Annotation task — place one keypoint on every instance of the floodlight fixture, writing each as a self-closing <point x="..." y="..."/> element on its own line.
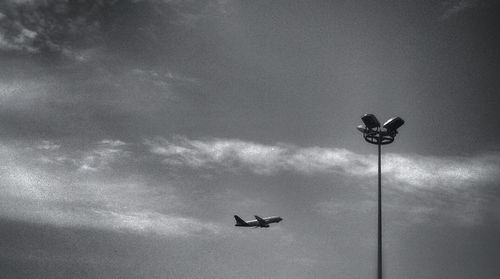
<point x="361" y="128"/>
<point x="370" y="121"/>
<point x="393" y="124"/>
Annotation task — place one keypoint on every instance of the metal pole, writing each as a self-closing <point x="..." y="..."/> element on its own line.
<point x="379" y="207"/>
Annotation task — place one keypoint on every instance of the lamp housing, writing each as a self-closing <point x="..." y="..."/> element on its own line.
<point x="393" y="124"/>
<point x="361" y="128"/>
<point x="370" y="121"/>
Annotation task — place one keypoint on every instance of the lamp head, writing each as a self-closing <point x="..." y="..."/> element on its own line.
<point x="393" y="124"/>
<point x="370" y="121"/>
<point x="361" y="128"/>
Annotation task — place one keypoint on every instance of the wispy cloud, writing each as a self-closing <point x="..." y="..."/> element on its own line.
<point x="45" y="184"/>
<point x="456" y="7"/>
<point x="162" y="80"/>
<point x="48" y="26"/>
<point x="106" y="152"/>
<point x="91" y="95"/>
<point x="21" y="94"/>
<point x="48" y="145"/>
<point x="465" y="208"/>
<point x="409" y="171"/>
<point x="70" y="27"/>
<point x="95" y="158"/>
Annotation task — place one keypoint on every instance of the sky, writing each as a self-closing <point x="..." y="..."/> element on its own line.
<point x="132" y="131"/>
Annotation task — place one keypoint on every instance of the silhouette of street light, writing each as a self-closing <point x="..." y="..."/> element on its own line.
<point x="374" y="134"/>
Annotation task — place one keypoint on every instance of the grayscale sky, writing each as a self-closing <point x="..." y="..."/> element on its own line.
<point x="132" y="131"/>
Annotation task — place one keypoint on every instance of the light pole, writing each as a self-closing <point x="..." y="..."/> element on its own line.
<point x="374" y="134"/>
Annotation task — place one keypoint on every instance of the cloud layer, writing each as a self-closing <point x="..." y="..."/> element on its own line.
<point x="421" y="188"/>
<point x="49" y="184"/>
<point x="405" y="170"/>
<point x="107" y="186"/>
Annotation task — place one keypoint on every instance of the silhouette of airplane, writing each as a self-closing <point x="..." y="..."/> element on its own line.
<point x="258" y="222"/>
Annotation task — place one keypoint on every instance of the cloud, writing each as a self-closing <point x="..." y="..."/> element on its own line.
<point x="49" y="26"/>
<point x="454" y="8"/>
<point x="96" y="158"/>
<point x="48" y="145"/>
<point x="69" y="27"/>
<point x="106" y="152"/>
<point x="61" y="101"/>
<point x="218" y="153"/>
<point x="150" y="221"/>
<point x="44" y="183"/>
<point x="407" y="171"/>
<point x="440" y="207"/>
<point x="135" y="221"/>
<point x="160" y="81"/>
<point x="19" y="94"/>
<point x="22" y="41"/>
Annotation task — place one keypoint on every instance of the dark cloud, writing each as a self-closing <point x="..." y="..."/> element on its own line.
<point x="52" y="26"/>
<point x="66" y="26"/>
<point x="116" y="67"/>
<point x="453" y="8"/>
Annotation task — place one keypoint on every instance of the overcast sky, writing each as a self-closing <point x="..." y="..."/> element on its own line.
<point x="132" y="131"/>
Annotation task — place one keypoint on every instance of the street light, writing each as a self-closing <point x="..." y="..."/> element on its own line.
<point x="374" y="134"/>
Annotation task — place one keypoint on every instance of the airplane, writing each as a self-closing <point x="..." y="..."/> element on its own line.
<point x="258" y="222"/>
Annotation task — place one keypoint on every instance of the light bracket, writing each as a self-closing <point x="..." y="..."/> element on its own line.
<point x="374" y="134"/>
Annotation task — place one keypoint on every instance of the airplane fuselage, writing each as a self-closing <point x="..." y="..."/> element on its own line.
<point x="256" y="223"/>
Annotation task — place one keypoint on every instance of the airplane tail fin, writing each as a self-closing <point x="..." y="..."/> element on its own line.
<point x="239" y="221"/>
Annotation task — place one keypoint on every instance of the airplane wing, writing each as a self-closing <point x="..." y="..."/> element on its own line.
<point x="261" y="221"/>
